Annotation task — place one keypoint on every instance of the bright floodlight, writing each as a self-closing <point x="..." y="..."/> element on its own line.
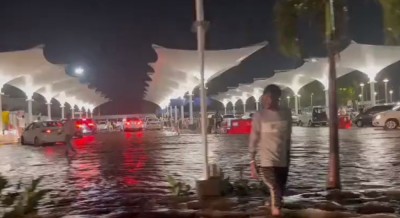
<point x="391" y="91"/>
<point x="79" y="70"/>
<point x="288" y="97"/>
<point x="385" y="80"/>
<point x="362" y="84"/>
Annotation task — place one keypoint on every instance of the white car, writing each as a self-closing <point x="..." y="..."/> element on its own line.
<point x="153" y="123"/>
<point x="388" y="119"/>
<point x="46" y="132"/>
<point x="102" y="125"/>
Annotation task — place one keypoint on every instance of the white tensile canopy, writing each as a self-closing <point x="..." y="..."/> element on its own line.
<point x="370" y="60"/>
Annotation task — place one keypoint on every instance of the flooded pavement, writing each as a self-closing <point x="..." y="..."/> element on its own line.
<point x="116" y="172"/>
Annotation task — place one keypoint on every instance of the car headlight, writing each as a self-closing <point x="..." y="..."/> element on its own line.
<point x="378" y="117"/>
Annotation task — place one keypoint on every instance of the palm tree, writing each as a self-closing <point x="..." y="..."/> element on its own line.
<point x="331" y="15"/>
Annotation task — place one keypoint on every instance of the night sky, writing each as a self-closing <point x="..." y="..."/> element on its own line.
<point x="112" y="39"/>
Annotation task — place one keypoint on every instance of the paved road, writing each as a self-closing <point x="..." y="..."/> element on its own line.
<point x="124" y="171"/>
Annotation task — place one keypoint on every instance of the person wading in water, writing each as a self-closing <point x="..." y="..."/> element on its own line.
<point x="270" y="138"/>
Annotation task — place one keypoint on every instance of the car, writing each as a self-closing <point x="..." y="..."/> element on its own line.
<point x="102" y="125"/>
<point x="133" y="124"/>
<point x="295" y="119"/>
<point x="389" y="119"/>
<point x="90" y="124"/>
<point x="227" y="120"/>
<point x="153" y="123"/>
<point x="312" y="116"/>
<point x="365" y="117"/>
<point x="44" y="132"/>
<point x="248" y="116"/>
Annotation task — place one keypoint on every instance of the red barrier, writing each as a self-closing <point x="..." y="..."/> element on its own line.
<point x="240" y="127"/>
<point x="345" y="122"/>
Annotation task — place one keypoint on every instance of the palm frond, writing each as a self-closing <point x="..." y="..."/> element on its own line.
<point x="391" y="21"/>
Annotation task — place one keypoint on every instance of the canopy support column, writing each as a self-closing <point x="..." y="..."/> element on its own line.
<point x="296" y="104"/>
<point x="373" y="96"/>
<point x="244" y="108"/>
<point x="225" y="109"/>
<point x="191" y="108"/>
<point x="257" y="105"/>
<point x="62" y="112"/>
<point x="30" y="113"/>
<point x="176" y="113"/>
<point x="49" y="111"/>
<point x="73" y="112"/>
<point x="182" y="113"/>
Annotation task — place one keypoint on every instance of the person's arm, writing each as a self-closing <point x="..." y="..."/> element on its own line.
<point x="254" y="135"/>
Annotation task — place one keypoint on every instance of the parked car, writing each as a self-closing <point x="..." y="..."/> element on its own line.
<point x="133" y="124"/>
<point x="90" y="124"/>
<point x="153" y="123"/>
<point x="295" y="119"/>
<point x="389" y="119"/>
<point x="102" y="125"/>
<point x="44" y="132"/>
<point x="312" y="116"/>
<point x="365" y="117"/>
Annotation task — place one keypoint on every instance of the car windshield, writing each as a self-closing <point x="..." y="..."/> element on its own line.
<point x="319" y="110"/>
<point x="51" y="124"/>
<point x="153" y="120"/>
<point x="229" y="116"/>
<point x="397" y="108"/>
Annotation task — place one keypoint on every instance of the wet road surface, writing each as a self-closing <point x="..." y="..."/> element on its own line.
<point x="126" y="171"/>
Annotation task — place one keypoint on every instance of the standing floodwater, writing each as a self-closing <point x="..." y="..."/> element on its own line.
<point x="127" y="171"/>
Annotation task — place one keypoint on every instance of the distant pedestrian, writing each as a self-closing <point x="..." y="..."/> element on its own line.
<point x="21" y="124"/>
<point x="218" y="121"/>
<point x="271" y="139"/>
<point x="69" y="130"/>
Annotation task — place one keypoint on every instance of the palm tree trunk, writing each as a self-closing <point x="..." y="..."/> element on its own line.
<point x="334" y="162"/>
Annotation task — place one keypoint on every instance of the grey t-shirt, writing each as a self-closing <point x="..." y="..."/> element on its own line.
<point x="271" y="137"/>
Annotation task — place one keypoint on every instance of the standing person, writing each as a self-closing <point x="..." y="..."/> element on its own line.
<point x="21" y="124"/>
<point x="218" y="121"/>
<point x="271" y="139"/>
<point x="69" y="131"/>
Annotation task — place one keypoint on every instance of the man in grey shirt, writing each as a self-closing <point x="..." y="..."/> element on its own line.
<point x="270" y="138"/>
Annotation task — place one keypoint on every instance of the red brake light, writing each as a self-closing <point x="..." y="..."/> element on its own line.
<point x="91" y="124"/>
<point x="47" y="131"/>
<point x="79" y="126"/>
<point x="127" y="123"/>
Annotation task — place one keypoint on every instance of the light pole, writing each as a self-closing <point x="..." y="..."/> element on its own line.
<point x="362" y="92"/>
<point x="375" y="94"/>
<point x="200" y="27"/>
<point x="312" y="94"/>
<point x="391" y="96"/>
<point x="386" y="91"/>
<point x="288" y="101"/>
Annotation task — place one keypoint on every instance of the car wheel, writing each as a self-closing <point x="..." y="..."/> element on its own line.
<point x="310" y="124"/>
<point x="391" y="124"/>
<point x="37" y="142"/>
<point x="22" y="141"/>
<point x="359" y="123"/>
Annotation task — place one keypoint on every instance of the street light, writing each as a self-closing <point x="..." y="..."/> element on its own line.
<point x="362" y="92"/>
<point x="391" y="96"/>
<point x="386" y="91"/>
<point x="312" y="94"/>
<point x="79" y="71"/>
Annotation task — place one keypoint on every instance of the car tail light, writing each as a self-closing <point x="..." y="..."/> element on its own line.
<point x="79" y="126"/>
<point x="91" y="124"/>
<point x="128" y="123"/>
<point x="47" y="131"/>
